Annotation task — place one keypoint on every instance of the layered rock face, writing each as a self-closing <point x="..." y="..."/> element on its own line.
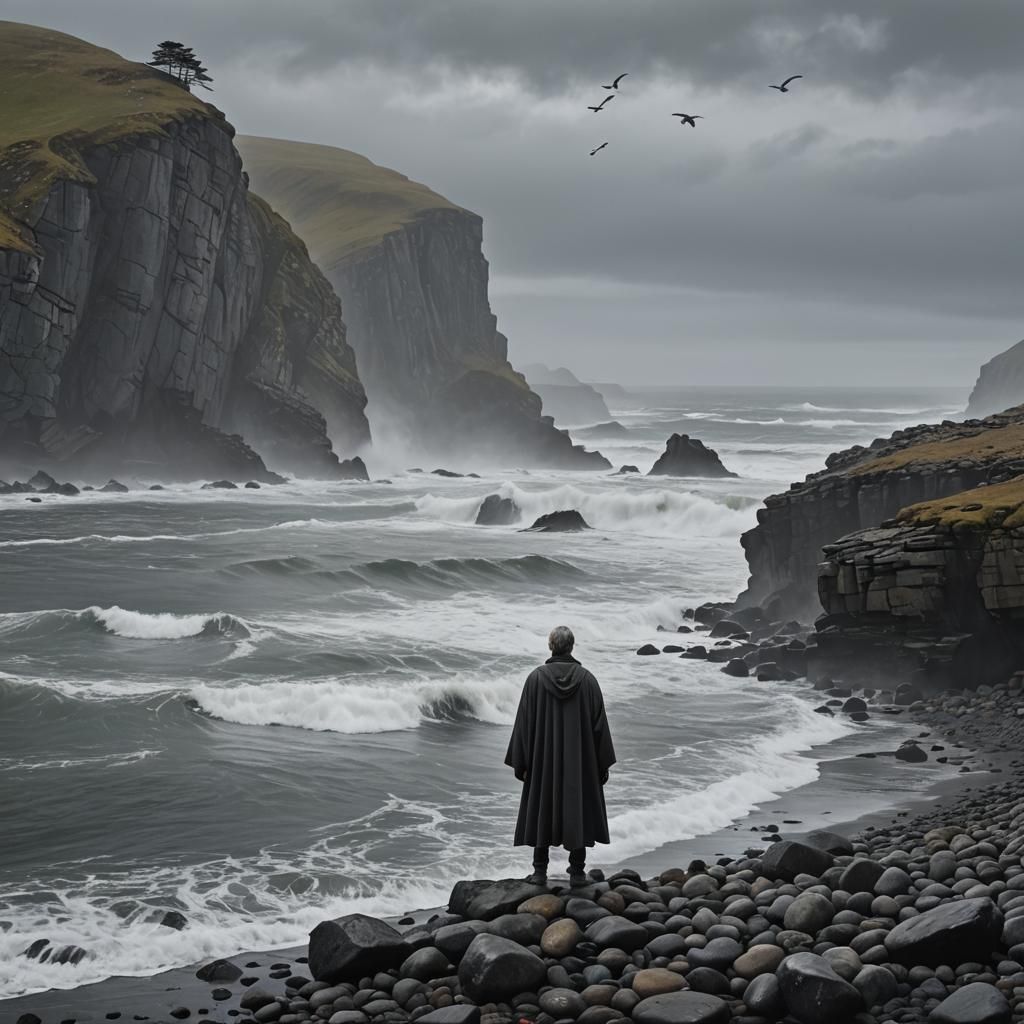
<point x="1000" y="384"/>
<point x="410" y="270"/>
<point x="937" y="595"/>
<point x="152" y="307"/>
<point x="861" y="488"/>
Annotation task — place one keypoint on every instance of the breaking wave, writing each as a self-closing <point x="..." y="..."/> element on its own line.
<point x="651" y="512"/>
<point x="331" y="706"/>
<point x="131" y="625"/>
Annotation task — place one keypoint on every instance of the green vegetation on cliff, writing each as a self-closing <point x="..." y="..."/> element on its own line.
<point x="60" y="96"/>
<point x="983" y="507"/>
<point x="338" y="201"/>
<point x="986" y="444"/>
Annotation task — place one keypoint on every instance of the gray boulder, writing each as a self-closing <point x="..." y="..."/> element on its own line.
<point x="809" y="913"/>
<point x="763" y="997"/>
<point x="975" y="1003"/>
<point x="425" y="964"/>
<point x="681" y="1008"/>
<point x="718" y="954"/>
<point x="494" y="969"/>
<point x="814" y="993"/>
<point x="687" y="456"/>
<point x="352" y="947"/>
<point x="965" y="931"/>
<point x="453" y="939"/>
<point x="459" y="1014"/>
<point x="787" y="859"/>
<point x="526" y="929"/>
<point x="861" y="875"/>
<point x="831" y="842"/>
<point x="617" y="933"/>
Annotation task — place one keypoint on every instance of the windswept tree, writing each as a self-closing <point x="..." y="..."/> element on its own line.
<point x="181" y="63"/>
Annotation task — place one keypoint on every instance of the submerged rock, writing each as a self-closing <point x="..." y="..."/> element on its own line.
<point x="114" y="487"/>
<point x="220" y="485"/>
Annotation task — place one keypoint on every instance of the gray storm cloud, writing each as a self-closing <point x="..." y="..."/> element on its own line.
<point x="879" y="201"/>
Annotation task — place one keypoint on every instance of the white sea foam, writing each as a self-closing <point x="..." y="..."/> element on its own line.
<point x="159" y="625"/>
<point x="652" y="512"/>
<point x="333" y="706"/>
<point x="11" y="764"/>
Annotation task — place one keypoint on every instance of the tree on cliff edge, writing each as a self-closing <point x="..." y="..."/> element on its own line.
<point x="181" y="63"/>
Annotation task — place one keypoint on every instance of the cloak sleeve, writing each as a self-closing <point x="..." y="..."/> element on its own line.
<point x="602" y="734"/>
<point x="520" y="746"/>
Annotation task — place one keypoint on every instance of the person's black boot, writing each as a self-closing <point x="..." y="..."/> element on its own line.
<point x="577" y="878"/>
<point x="539" y="877"/>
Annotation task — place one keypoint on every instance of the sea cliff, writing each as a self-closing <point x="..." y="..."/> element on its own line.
<point x="1000" y="383"/>
<point x="410" y="270"/>
<point x="150" y="306"/>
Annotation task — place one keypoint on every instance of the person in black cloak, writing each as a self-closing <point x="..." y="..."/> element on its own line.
<point x="561" y="750"/>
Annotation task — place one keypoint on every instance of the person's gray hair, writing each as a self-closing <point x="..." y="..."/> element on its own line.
<point x="561" y="640"/>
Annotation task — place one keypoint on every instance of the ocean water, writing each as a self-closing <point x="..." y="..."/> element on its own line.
<point x="264" y="708"/>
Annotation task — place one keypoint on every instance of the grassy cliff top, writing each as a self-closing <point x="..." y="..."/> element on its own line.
<point x="338" y="201"/>
<point x="983" y="507"/>
<point x="60" y="95"/>
<point x="987" y="445"/>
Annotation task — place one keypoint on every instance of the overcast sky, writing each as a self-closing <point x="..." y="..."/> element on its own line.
<point x="866" y="227"/>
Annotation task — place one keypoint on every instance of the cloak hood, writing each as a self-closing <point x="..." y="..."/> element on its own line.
<point x="562" y="675"/>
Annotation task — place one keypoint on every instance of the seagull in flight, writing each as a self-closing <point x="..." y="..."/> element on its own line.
<point x="690" y="119"/>
<point x="599" y="148"/>
<point x="615" y="83"/>
<point x="600" y="106"/>
<point x="782" y="88"/>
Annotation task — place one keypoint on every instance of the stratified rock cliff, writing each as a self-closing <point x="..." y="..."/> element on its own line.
<point x="936" y="596"/>
<point x="861" y="488"/>
<point x="1000" y="383"/>
<point x="149" y="306"/>
<point x="410" y="270"/>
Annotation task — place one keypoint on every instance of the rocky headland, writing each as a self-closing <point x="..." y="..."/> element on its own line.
<point x="153" y="312"/>
<point x="565" y="396"/>
<point x="410" y="270"/>
<point x="1000" y="383"/>
<point x="688" y="456"/>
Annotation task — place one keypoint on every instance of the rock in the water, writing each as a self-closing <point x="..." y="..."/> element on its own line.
<point x="493" y="969"/>
<point x="965" y="931"/>
<point x="814" y="993"/>
<point x="563" y="521"/>
<point x="114" y="487"/>
<point x="251" y="485"/>
<point x="352" y="469"/>
<point x="484" y="900"/>
<point x="498" y="511"/>
<point x="686" y="456"/>
<point x="910" y="751"/>
<point x="975" y="1003"/>
<point x="354" y="946"/>
<point x="737" y="667"/>
<point x="681" y="1008"/>
<point x="788" y="858"/>
<point x="174" y="919"/>
<point x="220" y="485"/>
<point x="623" y="470"/>
<point x="648" y="649"/>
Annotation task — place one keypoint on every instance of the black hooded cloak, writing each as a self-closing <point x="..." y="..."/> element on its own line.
<point x="561" y="750"/>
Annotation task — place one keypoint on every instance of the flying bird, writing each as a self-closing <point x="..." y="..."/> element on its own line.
<point x="782" y="88"/>
<point x="690" y="119"/>
<point x="598" y="108"/>
<point x="599" y="148"/>
<point x="615" y="83"/>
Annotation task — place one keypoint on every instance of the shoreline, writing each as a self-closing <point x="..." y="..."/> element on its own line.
<point x="155" y="996"/>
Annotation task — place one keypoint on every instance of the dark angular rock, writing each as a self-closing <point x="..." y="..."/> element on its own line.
<point x="493" y="969"/>
<point x="498" y="511"/>
<point x="681" y="1008"/>
<point x="563" y="521"/>
<point x="736" y="667"/>
<point x="952" y="933"/>
<point x="975" y="1003"/>
<point x="686" y="456"/>
<point x="787" y="859"/>
<point x="453" y="939"/>
<point x="462" y="1013"/>
<point x="353" y="946"/>
<point x="813" y="992"/>
<point x="114" y="487"/>
<point x="910" y="751"/>
<point x="623" y="470"/>
<point x="484" y="900"/>
<point x="352" y="469"/>
<point x="220" y="485"/>
<point x="174" y="919"/>
<point x="830" y="842"/>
